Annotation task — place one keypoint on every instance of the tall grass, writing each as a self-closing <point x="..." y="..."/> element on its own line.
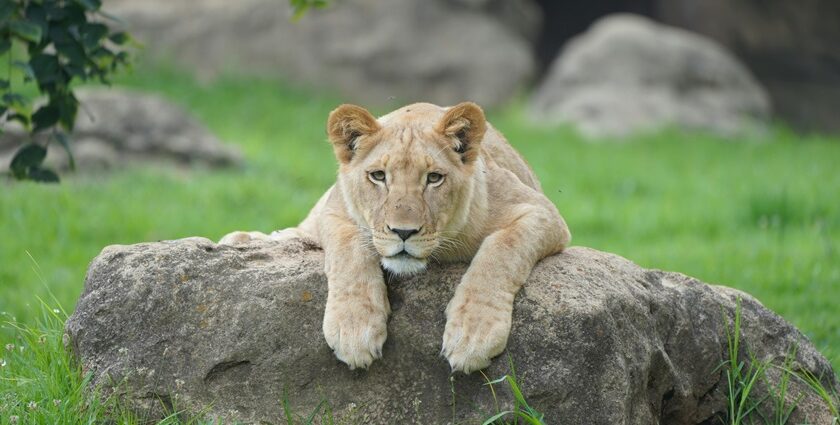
<point x="752" y="397"/>
<point x="38" y="381"/>
<point x="521" y="409"/>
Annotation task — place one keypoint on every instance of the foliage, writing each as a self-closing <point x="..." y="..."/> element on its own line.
<point x="38" y="381"/>
<point x="64" y="41"/>
<point x="752" y="398"/>
<point x="521" y="409"/>
<point x="41" y="384"/>
<point x="829" y="397"/>
<point x="300" y="7"/>
<point x="740" y="377"/>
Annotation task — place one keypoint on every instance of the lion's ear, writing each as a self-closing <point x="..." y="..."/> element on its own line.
<point x="345" y="126"/>
<point x="464" y="123"/>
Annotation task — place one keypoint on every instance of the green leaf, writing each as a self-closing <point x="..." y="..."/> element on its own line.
<point x="92" y="34"/>
<point x="46" y="69"/>
<point x="73" y="51"/>
<point x="102" y="53"/>
<point x="65" y="143"/>
<point x="23" y="119"/>
<point x="7" y="9"/>
<point x="119" y="38"/>
<point x="517" y="394"/>
<point x="62" y="34"/>
<point x="26" y="30"/>
<point x="5" y="45"/>
<point x="315" y="411"/>
<point x="530" y="419"/>
<point x="55" y="11"/>
<point x="76" y="14"/>
<point x="30" y="155"/>
<point x="27" y="70"/>
<point x="13" y="99"/>
<point x="75" y="71"/>
<point x="42" y="175"/>
<point x="45" y="117"/>
<point x="36" y="15"/>
<point x="90" y="5"/>
<point x="496" y="417"/>
<point x="68" y="106"/>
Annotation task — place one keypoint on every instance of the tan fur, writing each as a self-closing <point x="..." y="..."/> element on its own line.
<point x="487" y="209"/>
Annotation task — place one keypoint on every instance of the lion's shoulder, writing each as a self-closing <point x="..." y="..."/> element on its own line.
<point x="499" y="152"/>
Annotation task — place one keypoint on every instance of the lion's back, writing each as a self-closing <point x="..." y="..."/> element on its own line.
<point x="498" y="150"/>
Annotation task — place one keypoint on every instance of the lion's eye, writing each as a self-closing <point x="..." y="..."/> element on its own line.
<point x="378" y="175"/>
<point x="434" y="178"/>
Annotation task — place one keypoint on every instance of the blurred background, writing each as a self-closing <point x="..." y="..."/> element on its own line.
<point x="700" y="136"/>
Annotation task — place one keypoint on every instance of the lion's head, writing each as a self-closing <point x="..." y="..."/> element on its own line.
<point x="408" y="178"/>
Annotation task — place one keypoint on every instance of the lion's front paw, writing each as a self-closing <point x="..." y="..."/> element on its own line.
<point x="236" y="238"/>
<point x="476" y="331"/>
<point x="355" y="332"/>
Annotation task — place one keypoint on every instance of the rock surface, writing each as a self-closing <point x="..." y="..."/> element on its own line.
<point x="378" y="52"/>
<point x="629" y="74"/>
<point x="117" y="127"/>
<point x="596" y="339"/>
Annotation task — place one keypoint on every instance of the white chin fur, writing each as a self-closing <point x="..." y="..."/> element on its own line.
<point x="404" y="265"/>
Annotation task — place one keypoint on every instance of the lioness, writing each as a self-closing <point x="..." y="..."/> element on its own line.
<point x="425" y="183"/>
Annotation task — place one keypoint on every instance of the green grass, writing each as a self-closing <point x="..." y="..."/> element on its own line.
<point x="39" y="384"/>
<point x="521" y="410"/>
<point x="753" y="397"/>
<point x="761" y="215"/>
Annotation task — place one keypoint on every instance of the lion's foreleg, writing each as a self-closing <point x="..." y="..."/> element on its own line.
<point x="356" y="314"/>
<point x="479" y="314"/>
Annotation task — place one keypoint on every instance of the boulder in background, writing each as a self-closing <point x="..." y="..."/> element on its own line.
<point x="116" y="127"/>
<point x="628" y="74"/>
<point x="793" y="48"/>
<point x="380" y="52"/>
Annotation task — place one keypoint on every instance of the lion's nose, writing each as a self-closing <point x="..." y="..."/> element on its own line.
<point x="404" y="233"/>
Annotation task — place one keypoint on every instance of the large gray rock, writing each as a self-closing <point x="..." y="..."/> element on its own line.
<point x="791" y="47"/>
<point x="116" y="127"/>
<point x="596" y="339"/>
<point x="372" y="51"/>
<point x="628" y="74"/>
